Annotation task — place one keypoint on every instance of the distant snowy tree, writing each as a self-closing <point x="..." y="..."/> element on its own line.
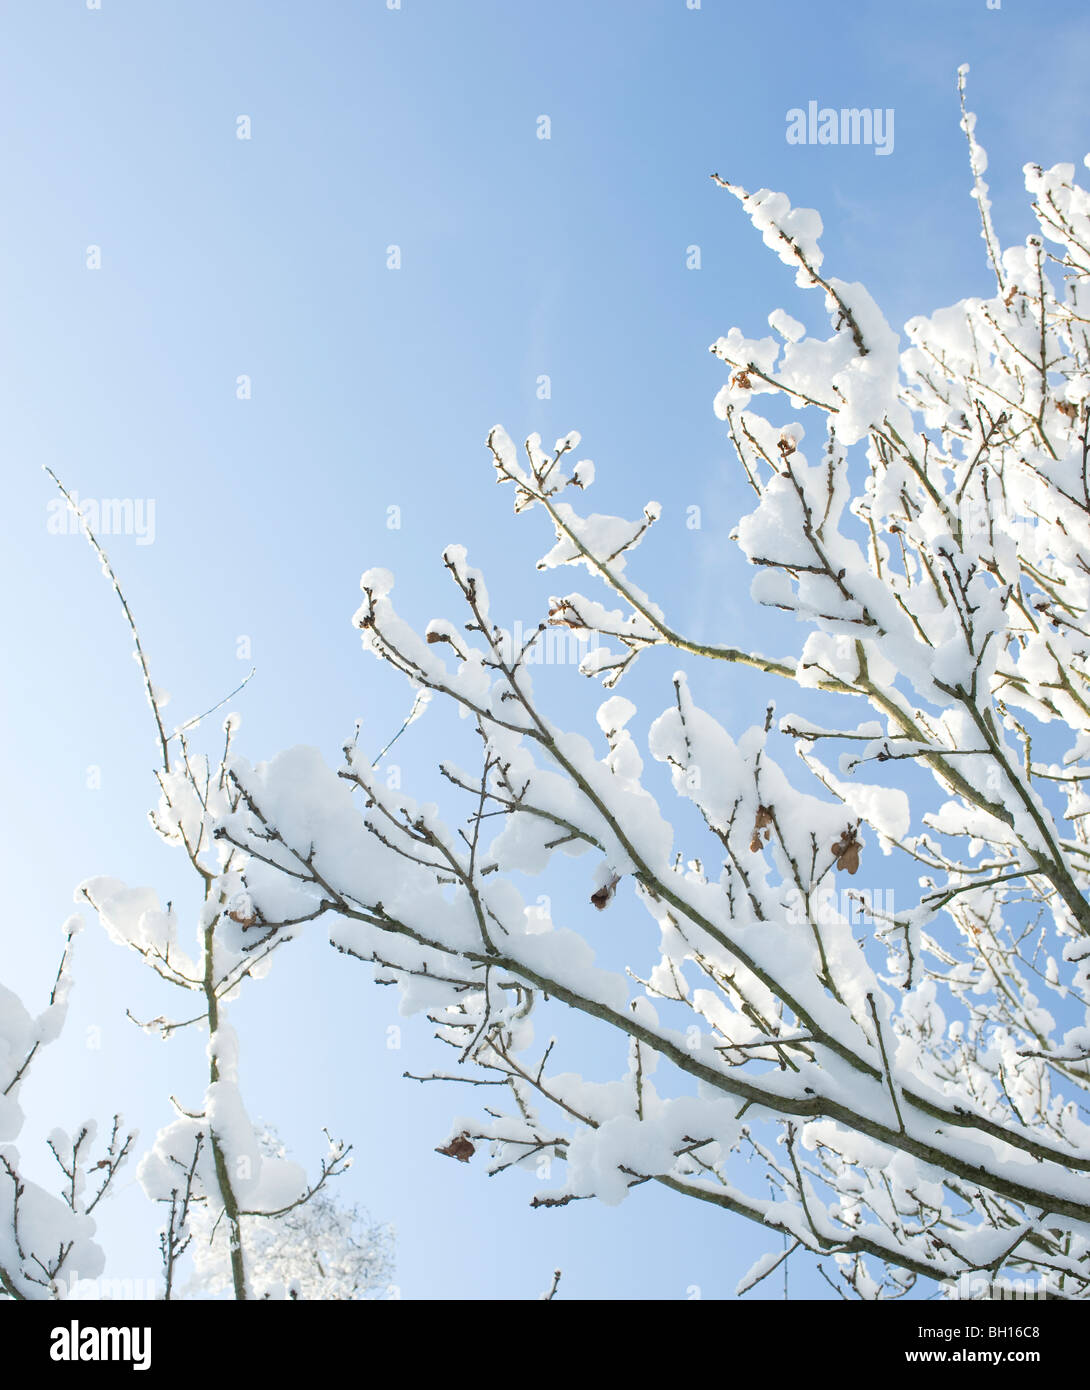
<point x="313" y="1249"/>
<point x="46" y="1239"/>
<point x="915" y="1088"/>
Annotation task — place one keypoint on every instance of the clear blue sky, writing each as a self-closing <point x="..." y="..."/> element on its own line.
<point x="375" y="388"/>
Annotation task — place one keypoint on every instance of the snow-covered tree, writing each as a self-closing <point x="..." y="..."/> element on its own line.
<point x="46" y="1239"/>
<point x="314" y="1248"/>
<point x="912" y="1087"/>
<point x="226" y="1186"/>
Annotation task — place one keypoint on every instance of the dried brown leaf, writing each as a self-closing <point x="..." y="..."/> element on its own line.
<point x="601" y="898"/>
<point x="763" y="823"/>
<point x="459" y="1148"/>
<point x="847" y="850"/>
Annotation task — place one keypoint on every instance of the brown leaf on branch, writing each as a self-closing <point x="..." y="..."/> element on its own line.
<point x="459" y="1148"/>
<point x="602" y="897"/>
<point x="561" y="616"/>
<point x="847" y="850"/>
<point x="741" y="380"/>
<point x="763" y="823"/>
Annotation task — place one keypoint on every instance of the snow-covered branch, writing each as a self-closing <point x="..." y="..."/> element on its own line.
<point x="909" y="1077"/>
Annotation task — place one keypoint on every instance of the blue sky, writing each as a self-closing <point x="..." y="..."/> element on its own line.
<point x="375" y="388"/>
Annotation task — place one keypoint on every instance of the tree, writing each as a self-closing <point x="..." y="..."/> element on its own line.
<point x="233" y="1201"/>
<point x="47" y="1241"/>
<point x="914" y="1096"/>
<point x="313" y="1249"/>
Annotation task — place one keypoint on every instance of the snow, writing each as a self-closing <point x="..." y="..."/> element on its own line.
<point x="936" y="553"/>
